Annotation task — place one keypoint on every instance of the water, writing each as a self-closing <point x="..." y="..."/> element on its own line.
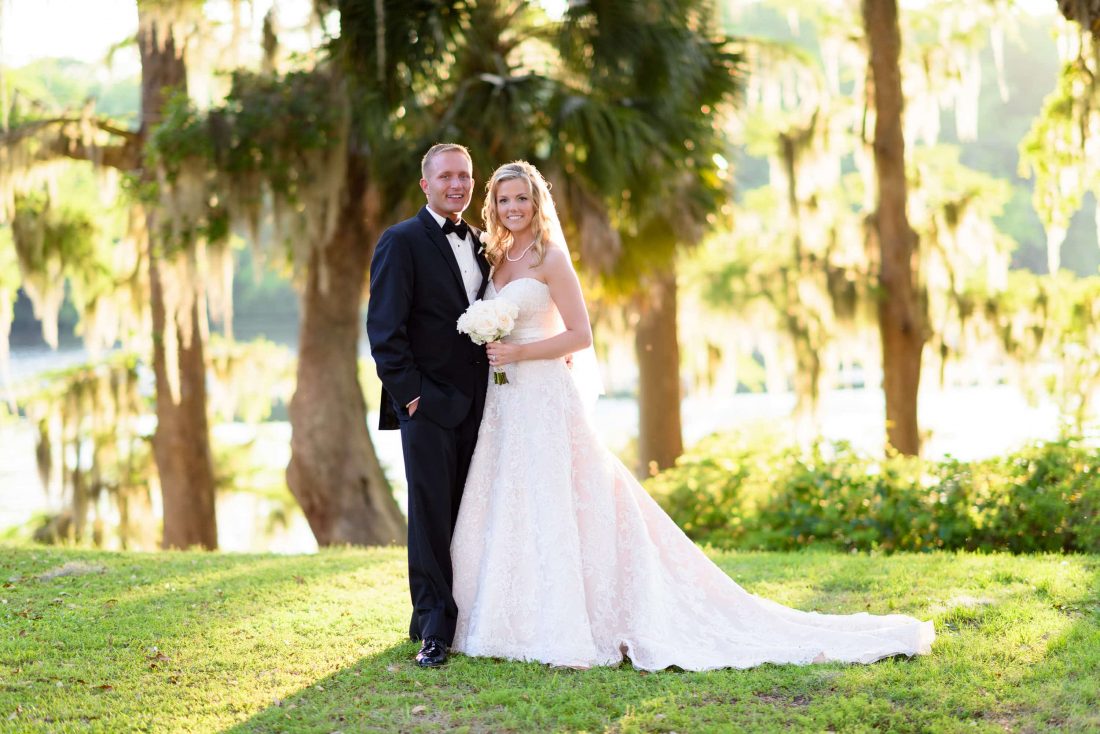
<point x="965" y="422"/>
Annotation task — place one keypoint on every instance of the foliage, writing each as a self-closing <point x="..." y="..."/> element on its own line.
<point x="796" y="259"/>
<point x="60" y="239"/>
<point x="92" y="452"/>
<point x="812" y="286"/>
<point x="241" y="469"/>
<point x="667" y="180"/>
<point x="801" y="255"/>
<point x="265" y="122"/>
<point x="733" y="494"/>
<point x="93" y="431"/>
<point x="619" y="105"/>
<point x="276" y="139"/>
<point x="1060" y="149"/>
<point x="239" y="391"/>
<point x="706" y="493"/>
<point x="1018" y="66"/>
<point x="395" y="46"/>
<point x="44" y="234"/>
<point x="9" y="288"/>
<point x="167" y="642"/>
<point x="1049" y="327"/>
<point x="1056" y="152"/>
<point x="67" y="248"/>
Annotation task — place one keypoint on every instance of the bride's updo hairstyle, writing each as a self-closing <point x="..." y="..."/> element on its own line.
<point x="500" y="238"/>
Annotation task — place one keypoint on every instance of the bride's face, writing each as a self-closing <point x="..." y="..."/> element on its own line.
<point x="515" y="206"/>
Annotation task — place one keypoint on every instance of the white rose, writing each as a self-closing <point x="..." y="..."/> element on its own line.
<point x="486" y="321"/>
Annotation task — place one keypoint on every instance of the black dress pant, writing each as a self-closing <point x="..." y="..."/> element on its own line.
<point x="437" y="460"/>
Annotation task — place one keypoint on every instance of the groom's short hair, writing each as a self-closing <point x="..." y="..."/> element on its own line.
<point x="443" y="148"/>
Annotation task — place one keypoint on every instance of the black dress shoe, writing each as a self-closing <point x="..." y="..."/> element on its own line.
<point x="433" y="653"/>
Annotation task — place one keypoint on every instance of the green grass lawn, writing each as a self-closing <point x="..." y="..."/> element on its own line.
<point x="182" y="642"/>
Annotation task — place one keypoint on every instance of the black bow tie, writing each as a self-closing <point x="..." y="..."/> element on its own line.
<point x="461" y="229"/>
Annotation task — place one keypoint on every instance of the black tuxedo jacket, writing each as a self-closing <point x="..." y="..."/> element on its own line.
<point x="416" y="297"/>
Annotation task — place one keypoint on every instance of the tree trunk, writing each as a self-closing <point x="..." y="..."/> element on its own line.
<point x="657" y="349"/>
<point x="1084" y="12"/>
<point x="334" y="471"/>
<point x="807" y="374"/>
<point x="901" y="317"/>
<point x="181" y="443"/>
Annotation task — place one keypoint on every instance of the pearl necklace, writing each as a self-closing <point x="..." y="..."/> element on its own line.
<point x="521" y="255"/>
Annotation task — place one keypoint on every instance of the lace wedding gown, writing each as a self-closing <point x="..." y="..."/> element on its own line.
<point x="561" y="557"/>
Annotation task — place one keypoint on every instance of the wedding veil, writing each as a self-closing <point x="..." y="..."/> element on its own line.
<point x="586" y="368"/>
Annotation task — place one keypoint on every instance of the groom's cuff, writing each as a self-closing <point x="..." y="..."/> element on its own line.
<point x="412" y="402"/>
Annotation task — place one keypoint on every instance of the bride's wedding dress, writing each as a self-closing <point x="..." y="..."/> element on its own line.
<point x="561" y="557"/>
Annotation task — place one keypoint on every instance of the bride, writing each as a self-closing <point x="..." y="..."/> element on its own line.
<point x="559" y="554"/>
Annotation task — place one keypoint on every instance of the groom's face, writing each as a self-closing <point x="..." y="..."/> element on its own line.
<point x="449" y="183"/>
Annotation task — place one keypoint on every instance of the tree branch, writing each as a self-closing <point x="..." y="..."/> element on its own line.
<point x="69" y="142"/>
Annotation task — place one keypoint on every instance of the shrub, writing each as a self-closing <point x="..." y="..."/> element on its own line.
<point x="703" y="493"/>
<point x="1047" y="500"/>
<point x="1044" y="497"/>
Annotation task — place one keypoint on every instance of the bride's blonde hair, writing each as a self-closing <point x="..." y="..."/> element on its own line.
<point x="542" y="222"/>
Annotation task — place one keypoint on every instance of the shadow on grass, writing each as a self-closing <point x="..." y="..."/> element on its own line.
<point x="336" y="661"/>
<point x="213" y="589"/>
<point x="130" y="643"/>
<point x="1064" y="695"/>
<point x="387" y="692"/>
<point x="1004" y="660"/>
<point x="378" y="693"/>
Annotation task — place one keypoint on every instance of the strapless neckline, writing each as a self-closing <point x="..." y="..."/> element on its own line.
<point x="515" y="280"/>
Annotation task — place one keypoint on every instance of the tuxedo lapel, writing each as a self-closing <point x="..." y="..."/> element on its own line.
<point x="482" y="262"/>
<point x="435" y="234"/>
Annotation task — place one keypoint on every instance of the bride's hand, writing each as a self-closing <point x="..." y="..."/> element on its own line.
<point x="501" y="354"/>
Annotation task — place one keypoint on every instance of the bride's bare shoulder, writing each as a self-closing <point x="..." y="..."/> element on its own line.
<point x="556" y="257"/>
<point x="557" y="269"/>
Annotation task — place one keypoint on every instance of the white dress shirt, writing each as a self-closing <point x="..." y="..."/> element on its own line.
<point x="467" y="260"/>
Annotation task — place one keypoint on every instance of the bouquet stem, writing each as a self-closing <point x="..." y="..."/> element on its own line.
<point x="499" y="378"/>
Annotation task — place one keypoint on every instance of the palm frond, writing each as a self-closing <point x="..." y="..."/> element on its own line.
<point x="389" y="42"/>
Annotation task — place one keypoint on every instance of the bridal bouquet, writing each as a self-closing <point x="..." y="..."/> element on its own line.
<point x="489" y="321"/>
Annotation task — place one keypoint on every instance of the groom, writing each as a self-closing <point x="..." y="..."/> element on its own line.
<point x="426" y="271"/>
